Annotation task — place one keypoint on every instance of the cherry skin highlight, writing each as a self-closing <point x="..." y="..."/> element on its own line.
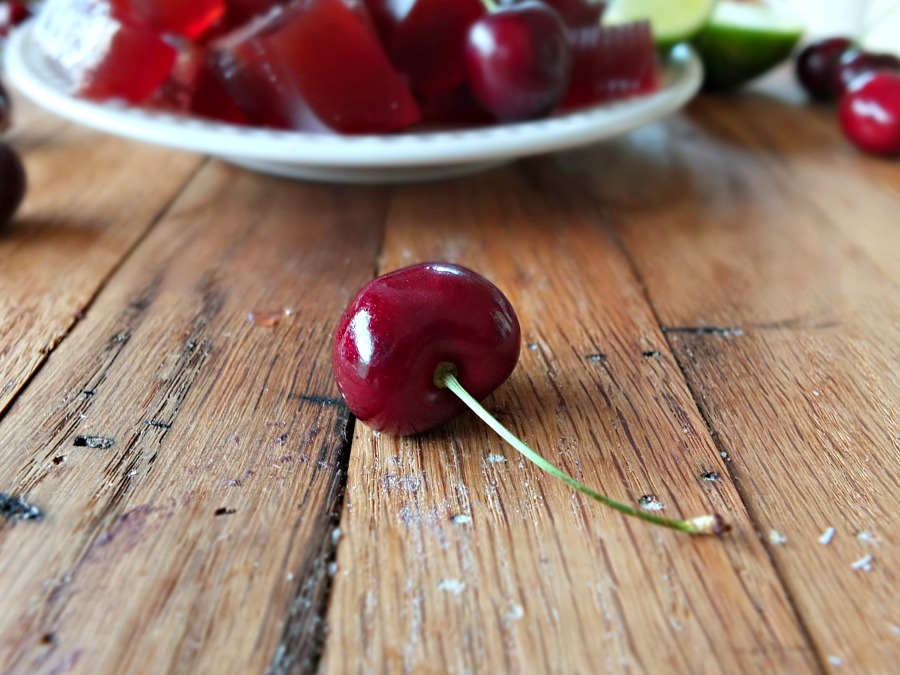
<point x="400" y="327"/>
<point x="856" y="62"/>
<point x="869" y="113"/>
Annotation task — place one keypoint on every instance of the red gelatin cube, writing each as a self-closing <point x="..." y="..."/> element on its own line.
<point x="424" y="39"/>
<point x="188" y="18"/>
<point x="193" y="89"/>
<point x="238" y="13"/>
<point x="574" y="13"/>
<point x="101" y="55"/>
<point x="611" y="62"/>
<point x="320" y="54"/>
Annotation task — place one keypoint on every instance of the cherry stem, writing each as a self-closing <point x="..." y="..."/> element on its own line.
<point x="445" y="378"/>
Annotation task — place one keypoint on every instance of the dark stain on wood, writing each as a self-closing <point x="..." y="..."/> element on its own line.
<point x="303" y="638"/>
<point x="722" y="331"/>
<point x="13" y="507"/>
<point x="224" y="511"/>
<point x="321" y="400"/>
<point x="95" y="442"/>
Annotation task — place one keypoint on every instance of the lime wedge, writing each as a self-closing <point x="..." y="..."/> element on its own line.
<point x="741" y="42"/>
<point x="673" y="21"/>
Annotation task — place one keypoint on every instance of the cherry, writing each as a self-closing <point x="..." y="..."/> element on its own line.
<point x="870" y="113"/>
<point x="417" y="346"/>
<point x="857" y="62"/>
<point x="817" y="63"/>
<point x="398" y="329"/>
<point x="13" y="183"/>
<point x="11" y="15"/>
<point x="519" y="61"/>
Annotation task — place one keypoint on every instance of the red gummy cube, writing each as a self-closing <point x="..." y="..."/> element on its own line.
<point x="424" y="40"/>
<point x="188" y="18"/>
<point x="611" y="62"/>
<point x="193" y="89"/>
<point x="574" y="13"/>
<point x="102" y="53"/>
<point x="321" y="56"/>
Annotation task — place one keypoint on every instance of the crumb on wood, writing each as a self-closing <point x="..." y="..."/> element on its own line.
<point x="336" y="536"/>
<point x="776" y="538"/>
<point x="650" y="503"/>
<point x="651" y="354"/>
<point x="268" y="318"/>
<point x="836" y="661"/>
<point x="461" y="519"/>
<point x="827" y="536"/>
<point x="59" y="459"/>
<point x="453" y="586"/>
<point x="95" y="442"/>
<point x="158" y="424"/>
<point x="224" y="511"/>
<point x="533" y="346"/>
<point x="863" y="564"/>
<point x="596" y="358"/>
<point x="868" y="537"/>
<point x="711" y="476"/>
<point x="496" y="459"/>
<point x="13" y="507"/>
<point x="281" y="439"/>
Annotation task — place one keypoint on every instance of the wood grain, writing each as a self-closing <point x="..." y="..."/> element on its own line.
<point x="77" y="223"/>
<point x="456" y="556"/>
<point x="791" y="243"/>
<point x="200" y="541"/>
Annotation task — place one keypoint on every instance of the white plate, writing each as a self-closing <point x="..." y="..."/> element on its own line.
<point x="394" y="158"/>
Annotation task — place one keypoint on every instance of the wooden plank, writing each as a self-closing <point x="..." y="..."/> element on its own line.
<point x="83" y="213"/>
<point x="802" y="387"/>
<point x="457" y="556"/>
<point x="200" y="541"/>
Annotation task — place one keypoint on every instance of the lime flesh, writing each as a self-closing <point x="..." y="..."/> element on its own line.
<point x="673" y="21"/>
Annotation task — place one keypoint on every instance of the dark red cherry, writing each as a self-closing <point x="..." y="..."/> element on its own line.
<point x="870" y="113"/>
<point x="13" y="183"/>
<point x="817" y="64"/>
<point x="519" y="61"/>
<point x="11" y="15"/>
<point x="858" y="62"/>
<point x="400" y="327"/>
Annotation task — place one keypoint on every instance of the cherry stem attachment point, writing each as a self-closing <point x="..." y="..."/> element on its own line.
<point x="445" y="378"/>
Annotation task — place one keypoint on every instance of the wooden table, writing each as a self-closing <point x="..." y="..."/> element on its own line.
<point x="710" y="316"/>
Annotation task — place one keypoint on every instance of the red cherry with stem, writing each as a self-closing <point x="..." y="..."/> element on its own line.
<point x="870" y="113"/>
<point x="858" y="62"/>
<point x="13" y="183"/>
<point x="518" y="61"/>
<point x="817" y="64"/>
<point x="417" y="346"/>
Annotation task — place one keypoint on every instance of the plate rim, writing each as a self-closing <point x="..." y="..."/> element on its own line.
<point x="682" y="69"/>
